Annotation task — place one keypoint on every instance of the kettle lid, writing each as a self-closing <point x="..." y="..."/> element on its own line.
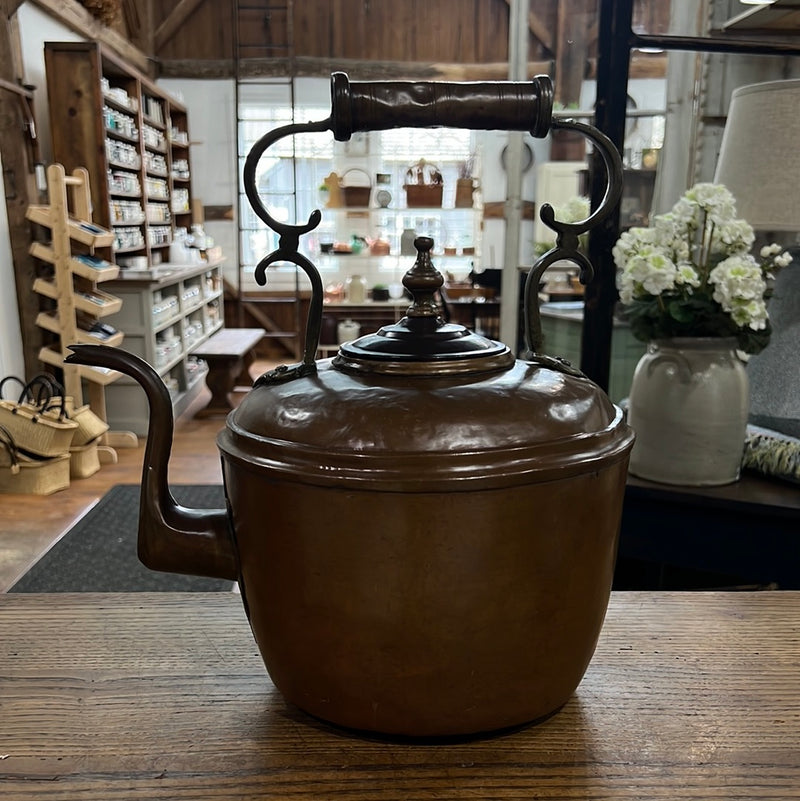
<point x="422" y="343"/>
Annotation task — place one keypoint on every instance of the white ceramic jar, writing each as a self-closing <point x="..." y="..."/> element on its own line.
<point x="688" y="406"/>
<point x="347" y="330"/>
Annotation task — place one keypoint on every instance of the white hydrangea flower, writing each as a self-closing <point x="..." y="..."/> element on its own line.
<point x="698" y="254"/>
<point x="635" y="241"/>
<point x="737" y="281"/>
<point x="715" y="200"/>
<point x="733" y="235"/>
<point x="750" y="314"/>
<point x="686" y="214"/>
<point x="575" y="209"/>
<point x="649" y="272"/>
<point x="687" y="274"/>
<point x="626" y="287"/>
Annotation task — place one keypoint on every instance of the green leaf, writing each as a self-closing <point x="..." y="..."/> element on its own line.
<point x="681" y="311"/>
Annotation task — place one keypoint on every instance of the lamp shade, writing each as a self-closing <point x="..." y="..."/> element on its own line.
<point x="759" y="160"/>
<point x="774" y="374"/>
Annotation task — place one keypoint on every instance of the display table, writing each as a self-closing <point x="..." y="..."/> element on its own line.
<point x="156" y="696"/>
<point x="228" y="354"/>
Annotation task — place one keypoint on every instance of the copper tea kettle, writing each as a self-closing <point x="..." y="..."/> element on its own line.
<point x="424" y="527"/>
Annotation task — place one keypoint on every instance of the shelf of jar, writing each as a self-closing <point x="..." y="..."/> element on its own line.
<point x="385" y="270"/>
<point x="154" y="123"/>
<point x="130" y="108"/>
<point x="343" y="257"/>
<point x="367" y="303"/>
<point x="170" y="273"/>
<point x="120" y="136"/>
<point x="132" y="166"/>
<point x="130" y="249"/>
<point x="407" y="210"/>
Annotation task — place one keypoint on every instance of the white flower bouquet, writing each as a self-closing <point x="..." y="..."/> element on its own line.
<point x="691" y="274"/>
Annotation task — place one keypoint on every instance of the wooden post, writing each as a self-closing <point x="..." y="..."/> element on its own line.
<point x="18" y="180"/>
<point x="62" y="250"/>
<point x="571" y="48"/>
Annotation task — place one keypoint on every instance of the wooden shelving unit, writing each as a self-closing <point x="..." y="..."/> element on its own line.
<point x="74" y="269"/>
<point x="165" y="315"/>
<point x="132" y="138"/>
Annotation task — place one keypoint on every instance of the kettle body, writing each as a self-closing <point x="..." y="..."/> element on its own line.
<point x="410" y="590"/>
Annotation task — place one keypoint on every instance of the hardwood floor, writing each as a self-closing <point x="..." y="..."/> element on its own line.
<point x="30" y="524"/>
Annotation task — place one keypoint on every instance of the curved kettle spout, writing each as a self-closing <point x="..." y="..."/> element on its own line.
<point x="172" y="538"/>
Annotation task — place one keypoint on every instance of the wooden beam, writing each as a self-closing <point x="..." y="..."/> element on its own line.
<point x="77" y="18"/>
<point x="539" y="30"/>
<point x="360" y="70"/>
<point x="10" y="7"/>
<point x="138" y="17"/>
<point x="16" y="88"/>
<point x="169" y="27"/>
<point x="642" y="65"/>
<point x="496" y="210"/>
<point x="571" y="50"/>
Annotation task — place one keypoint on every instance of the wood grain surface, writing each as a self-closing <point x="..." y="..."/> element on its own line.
<point x="161" y="696"/>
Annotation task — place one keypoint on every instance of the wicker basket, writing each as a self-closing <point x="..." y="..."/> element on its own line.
<point x="90" y="425"/>
<point x="84" y="460"/>
<point x="358" y="195"/>
<point x="464" y="189"/>
<point x="34" y="432"/>
<point x="29" y="476"/>
<point x="55" y="405"/>
<point x="423" y="185"/>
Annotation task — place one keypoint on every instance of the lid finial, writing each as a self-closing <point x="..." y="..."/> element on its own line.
<point x="423" y="281"/>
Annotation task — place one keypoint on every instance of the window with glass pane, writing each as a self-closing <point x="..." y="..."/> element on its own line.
<point x="289" y="175"/>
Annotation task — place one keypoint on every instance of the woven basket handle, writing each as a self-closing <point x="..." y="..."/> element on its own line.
<point x="11" y="378"/>
<point x="59" y="404"/>
<point x="38" y="391"/>
<point x="356" y="169"/>
<point x="49" y="395"/>
<point x="7" y="441"/>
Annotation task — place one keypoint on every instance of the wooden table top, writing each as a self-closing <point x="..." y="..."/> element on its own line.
<point x="230" y="342"/>
<point x="156" y="696"/>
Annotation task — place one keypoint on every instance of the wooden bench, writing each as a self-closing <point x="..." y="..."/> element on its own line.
<point x="228" y="353"/>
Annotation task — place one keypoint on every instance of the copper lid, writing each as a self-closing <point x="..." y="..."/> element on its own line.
<point x="399" y="433"/>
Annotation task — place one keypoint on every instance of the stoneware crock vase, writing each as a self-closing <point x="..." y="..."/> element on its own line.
<point x="424" y="527"/>
<point x="688" y="406"/>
